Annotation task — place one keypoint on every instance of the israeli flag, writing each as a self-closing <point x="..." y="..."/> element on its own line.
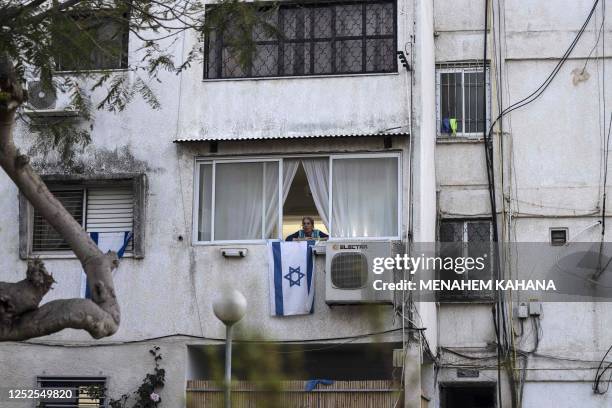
<point x="291" y="271"/>
<point x="106" y="241"/>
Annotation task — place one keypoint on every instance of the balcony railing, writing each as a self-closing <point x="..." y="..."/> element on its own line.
<point x="293" y="394"/>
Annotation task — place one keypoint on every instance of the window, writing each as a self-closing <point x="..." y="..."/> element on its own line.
<point x="349" y="196"/>
<point x="558" y="236"/>
<point x="467" y="394"/>
<point x="92" y="41"/>
<point x="83" y="392"/>
<point x="102" y="206"/>
<point x="466" y="238"/>
<point x="311" y="39"/>
<point x="459" y="100"/>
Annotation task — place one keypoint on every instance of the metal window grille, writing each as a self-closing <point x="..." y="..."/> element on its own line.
<point x="467" y="238"/>
<point x="98" y="209"/>
<point x="312" y="39"/>
<point x="459" y="99"/>
<point x="86" y="392"/>
<point x="44" y="237"/>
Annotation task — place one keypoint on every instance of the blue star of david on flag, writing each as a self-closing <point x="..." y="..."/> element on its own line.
<point x="294" y="281"/>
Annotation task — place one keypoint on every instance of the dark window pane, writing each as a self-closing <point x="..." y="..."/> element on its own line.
<point x="323" y="57"/>
<point x="213" y="60"/>
<point x="91" y="42"/>
<point x="380" y="55"/>
<point x="322" y="22"/>
<point x="451" y="231"/>
<point x="349" y="20"/>
<point x="267" y="30"/>
<point x="296" y="58"/>
<point x="349" y="56"/>
<point x="473" y="102"/>
<point x="265" y="62"/>
<point x="451" y="101"/>
<point x="296" y="23"/>
<point x="379" y="19"/>
<point x="232" y="68"/>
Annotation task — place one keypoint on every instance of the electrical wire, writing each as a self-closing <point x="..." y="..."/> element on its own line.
<point x="216" y="339"/>
<point x="540" y="90"/>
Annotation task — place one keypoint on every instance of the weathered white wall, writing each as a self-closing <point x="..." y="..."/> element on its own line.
<point x="170" y="291"/>
<point x="553" y="148"/>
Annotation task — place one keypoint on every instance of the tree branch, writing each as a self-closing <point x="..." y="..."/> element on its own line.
<point x="18" y="301"/>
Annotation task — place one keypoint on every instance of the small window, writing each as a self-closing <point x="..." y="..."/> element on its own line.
<point x="105" y="207"/>
<point x="466" y="238"/>
<point x="313" y="39"/>
<point x="558" y="236"/>
<point x="101" y="209"/>
<point x="244" y="201"/>
<point x="80" y="392"/>
<point x="92" y="41"/>
<point x="459" y="100"/>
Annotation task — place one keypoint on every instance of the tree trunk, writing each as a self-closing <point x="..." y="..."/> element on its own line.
<point x="20" y="316"/>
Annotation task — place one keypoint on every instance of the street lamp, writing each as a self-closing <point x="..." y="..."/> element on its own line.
<point x="229" y="307"/>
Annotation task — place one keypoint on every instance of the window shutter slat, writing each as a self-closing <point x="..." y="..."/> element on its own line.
<point x="110" y="210"/>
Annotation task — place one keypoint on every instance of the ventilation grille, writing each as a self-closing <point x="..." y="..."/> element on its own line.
<point x="349" y="270"/>
<point x="45" y="238"/>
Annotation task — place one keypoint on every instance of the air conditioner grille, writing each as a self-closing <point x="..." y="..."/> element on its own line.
<point x="349" y="270"/>
<point x="40" y="96"/>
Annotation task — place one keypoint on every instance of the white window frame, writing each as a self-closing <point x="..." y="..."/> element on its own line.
<point x="196" y="204"/>
<point x="463" y="70"/>
<point x="399" y="195"/>
<point x="280" y="160"/>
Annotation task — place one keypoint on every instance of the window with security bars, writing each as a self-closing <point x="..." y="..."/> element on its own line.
<point x="98" y="209"/>
<point x="79" y="392"/>
<point x="460" y="100"/>
<point x="311" y="39"/>
<point x="466" y="239"/>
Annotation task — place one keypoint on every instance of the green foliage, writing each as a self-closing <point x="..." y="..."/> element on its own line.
<point x="146" y="396"/>
<point x="259" y="361"/>
<point x="89" y="39"/>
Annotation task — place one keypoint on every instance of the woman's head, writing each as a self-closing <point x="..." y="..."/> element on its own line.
<point x="307" y="224"/>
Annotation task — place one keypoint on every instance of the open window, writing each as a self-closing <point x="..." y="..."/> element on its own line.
<point x="349" y="196"/>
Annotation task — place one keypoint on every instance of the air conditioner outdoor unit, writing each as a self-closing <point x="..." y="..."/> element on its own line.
<point x="348" y="271"/>
<point x="47" y="101"/>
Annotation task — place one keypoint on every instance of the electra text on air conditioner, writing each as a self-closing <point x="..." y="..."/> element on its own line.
<point x="458" y="265"/>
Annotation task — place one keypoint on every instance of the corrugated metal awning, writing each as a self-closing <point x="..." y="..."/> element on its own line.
<point x="286" y="136"/>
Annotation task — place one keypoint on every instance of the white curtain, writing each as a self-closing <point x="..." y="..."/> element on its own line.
<point x="317" y="172"/>
<point x="271" y="198"/>
<point x="205" y="210"/>
<point x="364" y="199"/>
<point x="289" y="169"/>
<point x="238" y="201"/>
<point x="271" y="185"/>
